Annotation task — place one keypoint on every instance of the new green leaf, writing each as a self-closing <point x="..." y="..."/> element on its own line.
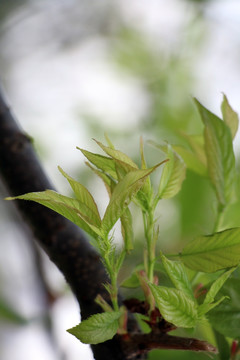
<point x="175" y="306"/>
<point x="98" y="328"/>
<point x="127" y="230"/>
<point x="122" y="195"/>
<point x="117" y="155"/>
<point x="178" y="275"/>
<point x="205" y="308"/>
<point x="213" y="252"/>
<point x="103" y="163"/>
<point x="173" y="173"/>
<point x="83" y="195"/>
<point x="220" y="155"/>
<point x="72" y="209"/>
<point x="229" y="116"/>
<point x="226" y="317"/>
<point x="194" y="158"/>
<point x="191" y="160"/>
<point x="216" y="286"/>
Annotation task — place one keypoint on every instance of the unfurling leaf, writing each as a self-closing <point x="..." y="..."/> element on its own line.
<point x="213" y="252"/>
<point x="191" y="160"/>
<point x="216" y="286"/>
<point x="229" y="116"/>
<point x="117" y="155"/>
<point x="103" y="163"/>
<point x="205" y="308"/>
<point x="178" y="275"/>
<point x="209" y="303"/>
<point x="122" y="195"/>
<point x="226" y="317"/>
<point x="175" y="306"/>
<point x="173" y="174"/>
<point x="83" y="195"/>
<point x="220" y="155"/>
<point x="72" y="209"/>
<point x="195" y="158"/>
<point x="98" y="328"/>
<point x="127" y="230"/>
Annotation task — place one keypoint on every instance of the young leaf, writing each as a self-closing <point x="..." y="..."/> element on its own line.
<point x="178" y="275"/>
<point x="205" y="308"/>
<point x="191" y="160"/>
<point x="127" y="230"/>
<point x="122" y="195"/>
<point x="72" y="209"/>
<point x="175" y="306"/>
<point x="216" y="286"/>
<point x="103" y="163"/>
<point x="229" y="116"/>
<point x="220" y="155"/>
<point x="110" y="144"/>
<point x="173" y="174"/>
<point x="226" y="317"/>
<point x="98" y="328"/>
<point x="117" y="155"/>
<point x="83" y="195"/>
<point x="107" y="180"/>
<point x="196" y="143"/>
<point x="147" y="185"/>
<point x="213" y="252"/>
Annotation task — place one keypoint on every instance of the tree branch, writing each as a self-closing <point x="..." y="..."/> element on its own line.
<point x="64" y="243"/>
<point x="150" y="341"/>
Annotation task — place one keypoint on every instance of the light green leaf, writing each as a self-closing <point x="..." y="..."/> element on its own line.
<point x="226" y="317"/>
<point x="178" y="275"/>
<point x="213" y="252"/>
<point x="173" y="173"/>
<point x="110" y="144"/>
<point x="220" y="155"/>
<point x="122" y="195"/>
<point x="229" y="116"/>
<point x="103" y="163"/>
<point x="216" y="286"/>
<point x="127" y="230"/>
<point x="147" y="186"/>
<point x="191" y="160"/>
<point x="98" y="328"/>
<point x="204" y="308"/>
<point x="107" y="180"/>
<point x="196" y="143"/>
<point x="122" y="168"/>
<point x="83" y="195"/>
<point x="117" y="155"/>
<point x="175" y="306"/>
<point x="72" y="209"/>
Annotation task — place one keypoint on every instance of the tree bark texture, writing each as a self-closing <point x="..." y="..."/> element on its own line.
<point x="65" y="243"/>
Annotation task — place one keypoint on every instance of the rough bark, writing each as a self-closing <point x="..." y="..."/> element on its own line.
<point x="64" y="243"/>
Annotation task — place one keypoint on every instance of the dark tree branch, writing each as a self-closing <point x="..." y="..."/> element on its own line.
<point x="148" y="342"/>
<point x="64" y="243"/>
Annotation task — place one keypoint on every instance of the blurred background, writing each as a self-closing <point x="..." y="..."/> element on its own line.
<point x="74" y="69"/>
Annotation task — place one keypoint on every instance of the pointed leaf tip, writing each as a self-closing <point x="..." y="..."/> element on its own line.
<point x="98" y="328"/>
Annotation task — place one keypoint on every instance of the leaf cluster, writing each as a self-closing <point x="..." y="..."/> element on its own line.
<point x="210" y="155"/>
